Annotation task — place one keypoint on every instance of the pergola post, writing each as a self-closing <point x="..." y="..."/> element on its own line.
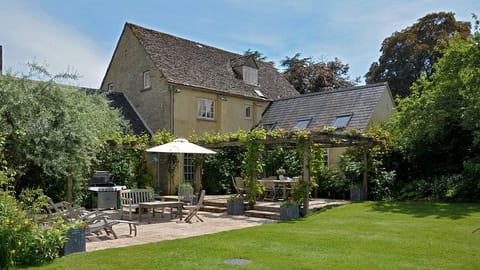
<point x="365" y="174"/>
<point x="307" y="158"/>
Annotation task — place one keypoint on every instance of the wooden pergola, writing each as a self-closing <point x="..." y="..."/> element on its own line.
<point x="323" y="139"/>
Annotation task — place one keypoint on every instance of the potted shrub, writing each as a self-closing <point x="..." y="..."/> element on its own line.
<point x="235" y="205"/>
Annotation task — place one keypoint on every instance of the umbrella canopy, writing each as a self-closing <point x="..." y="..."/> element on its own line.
<point x="180" y="146"/>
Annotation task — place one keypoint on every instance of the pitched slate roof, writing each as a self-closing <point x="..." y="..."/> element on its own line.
<point x="324" y="107"/>
<point x="120" y="101"/>
<point x="190" y="63"/>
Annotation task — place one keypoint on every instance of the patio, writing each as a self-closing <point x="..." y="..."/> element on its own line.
<point x="165" y="228"/>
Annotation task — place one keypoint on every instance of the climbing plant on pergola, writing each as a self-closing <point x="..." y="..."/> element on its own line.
<point x="255" y="141"/>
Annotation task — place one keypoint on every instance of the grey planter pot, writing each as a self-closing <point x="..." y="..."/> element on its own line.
<point x="235" y="207"/>
<point x="356" y="193"/>
<point x="75" y="243"/>
<point x="288" y="212"/>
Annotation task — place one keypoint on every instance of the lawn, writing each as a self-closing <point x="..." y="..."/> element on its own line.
<point x="370" y="235"/>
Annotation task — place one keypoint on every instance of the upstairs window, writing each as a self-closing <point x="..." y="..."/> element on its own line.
<point x="206" y="109"/>
<point x="303" y="124"/>
<point x="341" y="121"/>
<point x="248" y="111"/>
<point x="146" y="80"/>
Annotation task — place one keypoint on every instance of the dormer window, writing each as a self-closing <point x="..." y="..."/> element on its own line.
<point x="245" y="68"/>
<point x="250" y="75"/>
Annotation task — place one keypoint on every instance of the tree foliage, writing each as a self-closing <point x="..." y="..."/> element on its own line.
<point x="437" y="127"/>
<point x="52" y="132"/>
<point x="308" y="76"/>
<point x="415" y="49"/>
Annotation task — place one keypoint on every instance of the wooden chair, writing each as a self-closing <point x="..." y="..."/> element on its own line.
<point x="193" y="209"/>
<point x="239" y="184"/>
<point x="270" y="192"/>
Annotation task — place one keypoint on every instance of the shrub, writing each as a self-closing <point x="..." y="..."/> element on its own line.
<point x="25" y="241"/>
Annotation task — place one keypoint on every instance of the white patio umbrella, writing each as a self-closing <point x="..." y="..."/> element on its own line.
<point x="180" y="146"/>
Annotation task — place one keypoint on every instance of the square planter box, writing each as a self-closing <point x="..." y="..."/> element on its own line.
<point x="75" y="242"/>
<point x="235" y="207"/>
<point x="357" y="194"/>
<point x="288" y="212"/>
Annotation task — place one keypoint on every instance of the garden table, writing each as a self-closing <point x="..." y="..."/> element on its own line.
<point x="159" y="204"/>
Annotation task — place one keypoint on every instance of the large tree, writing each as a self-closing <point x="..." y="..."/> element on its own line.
<point x="52" y="132"/>
<point x="415" y="49"/>
<point x="308" y="76"/>
<point x="437" y="127"/>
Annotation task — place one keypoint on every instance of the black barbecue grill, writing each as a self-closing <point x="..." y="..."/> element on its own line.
<point x="106" y="194"/>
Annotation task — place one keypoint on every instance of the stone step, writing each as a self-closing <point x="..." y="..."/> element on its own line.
<point x="213" y="209"/>
<point x="262" y="214"/>
<point x="215" y="203"/>
<point x="266" y="208"/>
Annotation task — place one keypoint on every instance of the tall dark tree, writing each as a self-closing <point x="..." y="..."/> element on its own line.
<point x="257" y="56"/>
<point x="308" y="76"/>
<point x="415" y="49"/>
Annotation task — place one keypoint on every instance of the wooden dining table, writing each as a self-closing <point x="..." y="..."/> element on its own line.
<point x="159" y="204"/>
<point x="280" y="185"/>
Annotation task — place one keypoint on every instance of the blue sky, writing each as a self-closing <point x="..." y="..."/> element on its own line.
<point x="81" y="35"/>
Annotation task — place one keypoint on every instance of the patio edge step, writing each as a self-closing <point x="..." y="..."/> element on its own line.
<point x="262" y="214"/>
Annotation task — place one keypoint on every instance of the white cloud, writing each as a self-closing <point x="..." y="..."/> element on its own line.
<point x="28" y="36"/>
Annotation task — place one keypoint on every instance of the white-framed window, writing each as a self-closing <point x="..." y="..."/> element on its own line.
<point x="188" y="168"/>
<point x="206" y="109"/>
<point x="248" y="111"/>
<point x="110" y="87"/>
<point x="146" y="80"/>
<point x="325" y="157"/>
<point x="303" y="124"/>
<point x="341" y="121"/>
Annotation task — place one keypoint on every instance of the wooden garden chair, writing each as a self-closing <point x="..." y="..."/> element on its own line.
<point x="193" y="209"/>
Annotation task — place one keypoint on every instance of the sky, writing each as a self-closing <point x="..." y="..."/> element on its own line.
<point x="80" y="36"/>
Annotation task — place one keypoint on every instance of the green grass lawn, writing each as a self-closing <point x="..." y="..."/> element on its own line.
<point x="370" y="235"/>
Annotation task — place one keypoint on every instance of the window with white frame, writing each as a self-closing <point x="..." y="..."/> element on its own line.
<point x="188" y="168"/>
<point x="206" y="109"/>
<point x="146" y="80"/>
<point x="248" y="111"/>
<point x="325" y="157"/>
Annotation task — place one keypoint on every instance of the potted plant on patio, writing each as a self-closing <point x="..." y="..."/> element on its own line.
<point x="235" y="205"/>
<point x="289" y="210"/>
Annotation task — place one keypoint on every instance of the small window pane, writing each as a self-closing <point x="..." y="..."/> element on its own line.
<point x="110" y="86"/>
<point x="248" y="111"/>
<point x="146" y="80"/>
<point x="302" y="124"/>
<point x="341" y="121"/>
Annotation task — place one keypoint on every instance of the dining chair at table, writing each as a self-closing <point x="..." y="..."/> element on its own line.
<point x="270" y="192"/>
<point x="239" y="184"/>
<point x="193" y="209"/>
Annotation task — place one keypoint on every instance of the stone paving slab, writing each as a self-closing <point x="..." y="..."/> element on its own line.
<point x="167" y="229"/>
